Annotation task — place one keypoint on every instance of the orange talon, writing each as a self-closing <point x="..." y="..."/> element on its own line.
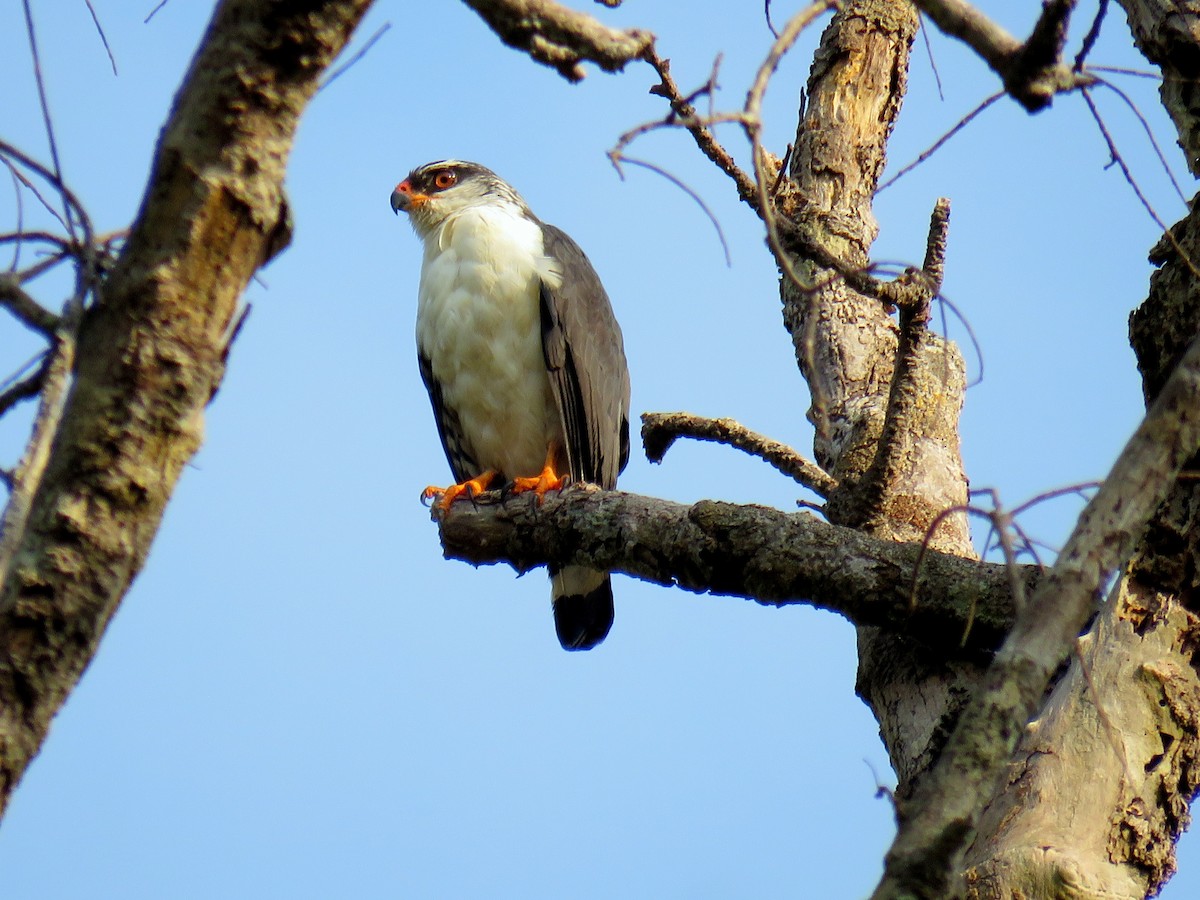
<point x="548" y="480"/>
<point x="471" y="488"/>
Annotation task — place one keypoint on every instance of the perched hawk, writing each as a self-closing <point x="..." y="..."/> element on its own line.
<point x="522" y="358"/>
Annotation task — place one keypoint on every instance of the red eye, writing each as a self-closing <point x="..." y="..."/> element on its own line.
<point x="444" y="179"/>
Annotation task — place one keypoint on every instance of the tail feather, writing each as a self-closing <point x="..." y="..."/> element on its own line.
<point x="583" y="606"/>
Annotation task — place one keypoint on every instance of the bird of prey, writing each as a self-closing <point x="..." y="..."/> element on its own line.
<point x="522" y="357"/>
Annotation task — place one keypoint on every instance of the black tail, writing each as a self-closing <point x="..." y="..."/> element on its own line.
<point x="583" y="607"/>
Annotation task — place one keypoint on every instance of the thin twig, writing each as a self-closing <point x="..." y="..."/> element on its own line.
<point x="940" y="142"/>
<point x="9" y="154"/>
<point x="152" y="13"/>
<point x="340" y="70"/>
<point x="103" y="38"/>
<point x="45" y="104"/>
<point x="937" y="77"/>
<point x="1162" y="158"/>
<point x="684" y="115"/>
<point x="1122" y="70"/>
<point x="944" y="304"/>
<point x="1089" y="40"/>
<point x="1115" y="154"/>
<point x="19" y="201"/>
<point x="679" y="183"/>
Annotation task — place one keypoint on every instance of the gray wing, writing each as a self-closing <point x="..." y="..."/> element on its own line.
<point x="585" y="358"/>
<point x="449" y="429"/>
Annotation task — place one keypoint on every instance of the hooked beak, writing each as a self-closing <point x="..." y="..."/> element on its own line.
<point x="405" y="199"/>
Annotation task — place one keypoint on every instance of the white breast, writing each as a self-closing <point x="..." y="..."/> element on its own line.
<point x="479" y="325"/>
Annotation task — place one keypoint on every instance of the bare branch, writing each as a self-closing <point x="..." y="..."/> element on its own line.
<point x="754" y="552"/>
<point x="27" y="310"/>
<point x="363" y="51"/>
<point x="1093" y="34"/>
<point x="1119" y="160"/>
<point x="940" y="142"/>
<point x="31" y="32"/>
<point x="1032" y="72"/>
<point x="21" y="389"/>
<point x="683" y="114"/>
<point x="561" y="38"/>
<point x="913" y="295"/>
<point x="112" y="60"/>
<point x="659" y="431"/>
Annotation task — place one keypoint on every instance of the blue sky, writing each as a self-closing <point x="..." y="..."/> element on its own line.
<point x="301" y="698"/>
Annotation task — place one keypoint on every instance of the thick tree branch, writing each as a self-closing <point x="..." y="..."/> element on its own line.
<point x="149" y="354"/>
<point x="938" y="824"/>
<point x="755" y="552"/>
<point x="561" y="38"/>
<point x="1032" y="72"/>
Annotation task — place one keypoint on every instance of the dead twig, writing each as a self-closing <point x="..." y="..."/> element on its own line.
<point x="684" y="115"/>
<point x="1119" y="161"/>
<point x="22" y="389"/>
<point x="913" y="295"/>
<point x="103" y="37"/>
<point x="340" y="70"/>
<point x="660" y="430"/>
<point x="937" y="76"/>
<point x="44" y="102"/>
<point x="941" y="142"/>
<point x="683" y="186"/>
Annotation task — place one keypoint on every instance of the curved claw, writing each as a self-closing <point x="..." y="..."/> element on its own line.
<point x="446" y="496"/>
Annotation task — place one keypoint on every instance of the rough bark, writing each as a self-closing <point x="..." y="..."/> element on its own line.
<point x="1168" y="34"/>
<point x="946" y="807"/>
<point x="1103" y="819"/>
<point x="560" y="37"/>
<point x="755" y="552"/>
<point x="151" y="350"/>
<point x="845" y="345"/>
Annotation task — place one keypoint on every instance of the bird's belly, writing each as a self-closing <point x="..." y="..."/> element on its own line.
<point x="482" y="336"/>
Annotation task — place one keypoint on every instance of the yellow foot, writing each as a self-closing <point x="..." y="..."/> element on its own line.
<point x="548" y="480"/>
<point x="446" y="496"/>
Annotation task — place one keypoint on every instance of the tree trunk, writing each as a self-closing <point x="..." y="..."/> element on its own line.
<point x="151" y="349"/>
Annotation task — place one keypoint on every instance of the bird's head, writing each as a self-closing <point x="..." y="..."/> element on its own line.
<point x="435" y="191"/>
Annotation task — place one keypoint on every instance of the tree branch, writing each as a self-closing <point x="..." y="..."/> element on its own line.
<point x="28" y="311"/>
<point x="754" y="552"/>
<point x="659" y="431"/>
<point x="1032" y="72"/>
<point x="561" y="38"/>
